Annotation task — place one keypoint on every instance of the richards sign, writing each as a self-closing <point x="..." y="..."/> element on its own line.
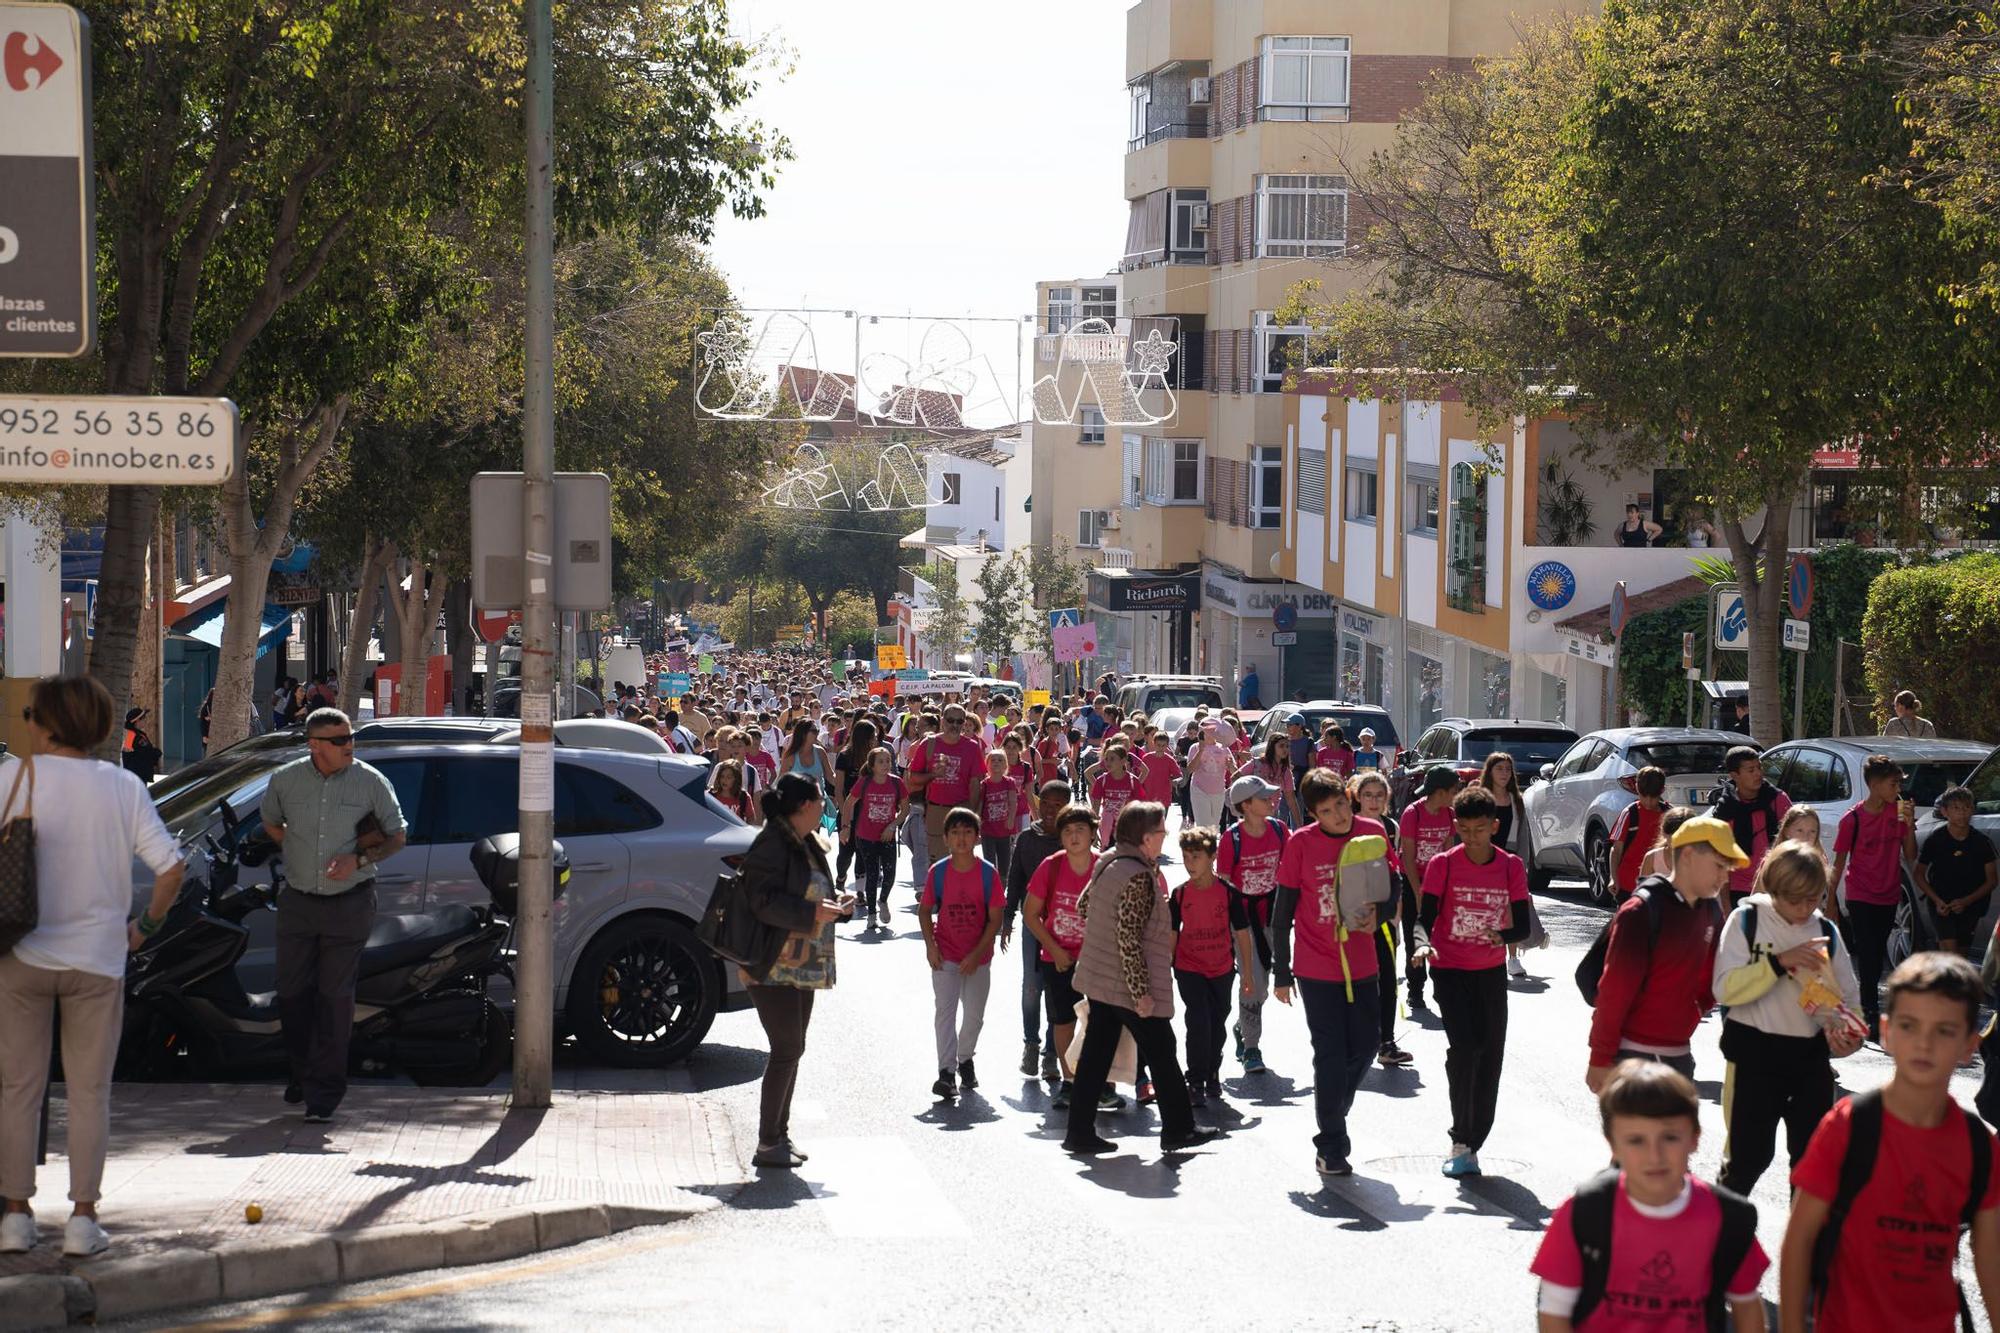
<point x="1120" y="591"/>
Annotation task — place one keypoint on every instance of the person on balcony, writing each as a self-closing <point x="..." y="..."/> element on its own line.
<point x="1637" y="529"/>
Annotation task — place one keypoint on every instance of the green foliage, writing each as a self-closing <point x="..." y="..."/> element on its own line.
<point x="949" y="617"/>
<point x="998" y="614"/>
<point x="1935" y="628"/>
<point x="1054" y="581"/>
<point x="754" y="622"/>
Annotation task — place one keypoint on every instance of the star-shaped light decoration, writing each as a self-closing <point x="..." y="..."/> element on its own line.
<point x="1151" y="354"/>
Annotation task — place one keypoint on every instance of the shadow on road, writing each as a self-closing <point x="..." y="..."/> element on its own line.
<point x="1336" y="1203"/>
<point x="1133" y="1176"/>
<point x="717" y="1065"/>
<point x="970" y="1109"/>
<point x="1510" y="1196"/>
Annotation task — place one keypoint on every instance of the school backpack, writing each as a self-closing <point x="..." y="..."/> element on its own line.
<point x="1864" y="1138"/>
<point x="1236" y="841"/>
<point x="1590" y="971"/>
<point x="934" y="880"/>
<point x="1590" y="1213"/>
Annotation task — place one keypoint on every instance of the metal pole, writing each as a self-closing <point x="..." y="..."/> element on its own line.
<point x="1839" y="686"/>
<point x="1708" y="634"/>
<point x="1799" y="698"/>
<point x="534" y="968"/>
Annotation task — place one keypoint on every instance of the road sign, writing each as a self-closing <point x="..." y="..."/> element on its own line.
<point x="578" y="571"/>
<point x="96" y="441"/>
<point x="48" y="214"/>
<point x="1732" y="618"/>
<point x="1687" y="650"/>
<point x="491" y="626"/>
<point x="890" y="657"/>
<point x="1065" y="618"/>
<point x="1620" y="613"/>
<point x="1798" y="635"/>
<point x="1284" y="640"/>
<point x="1799" y="590"/>
<point x="1285" y="618"/>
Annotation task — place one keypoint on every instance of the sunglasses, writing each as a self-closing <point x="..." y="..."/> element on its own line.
<point x="345" y="738"/>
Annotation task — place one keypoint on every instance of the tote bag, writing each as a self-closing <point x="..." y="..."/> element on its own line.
<point x="20" y="900"/>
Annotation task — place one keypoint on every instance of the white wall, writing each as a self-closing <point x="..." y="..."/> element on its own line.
<point x="1420" y="572"/>
<point x="1358" y="573"/>
<point x="1596" y="570"/>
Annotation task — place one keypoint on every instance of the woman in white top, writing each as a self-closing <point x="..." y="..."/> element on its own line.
<point x="91" y="819"/>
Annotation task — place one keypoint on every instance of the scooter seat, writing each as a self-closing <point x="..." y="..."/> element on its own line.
<point x="397" y="941"/>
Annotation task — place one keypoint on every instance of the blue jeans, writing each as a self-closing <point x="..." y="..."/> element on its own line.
<point x="1344" y="1040"/>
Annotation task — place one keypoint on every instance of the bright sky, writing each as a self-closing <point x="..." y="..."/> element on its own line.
<point x="948" y="155"/>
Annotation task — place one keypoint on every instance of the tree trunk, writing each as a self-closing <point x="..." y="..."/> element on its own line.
<point x="460" y="641"/>
<point x="416" y="610"/>
<point x="131" y="513"/>
<point x="354" y="660"/>
<point x="151" y="646"/>
<point x="1762" y="570"/>
<point x="249" y="567"/>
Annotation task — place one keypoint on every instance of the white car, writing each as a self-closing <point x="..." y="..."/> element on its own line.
<point x="1826" y="773"/>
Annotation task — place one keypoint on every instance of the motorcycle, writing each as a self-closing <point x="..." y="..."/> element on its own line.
<point x="421" y="1001"/>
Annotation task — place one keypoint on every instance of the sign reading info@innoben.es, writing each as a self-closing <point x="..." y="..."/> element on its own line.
<point x="116" y="440"/>
<point x="47" y="245"/>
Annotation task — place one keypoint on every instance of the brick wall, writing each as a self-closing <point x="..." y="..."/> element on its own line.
<point x="1383" y="88"/>
<point x="1233" y="98"/>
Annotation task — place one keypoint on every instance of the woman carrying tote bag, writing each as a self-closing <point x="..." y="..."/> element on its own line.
<point x="90" y="820"/>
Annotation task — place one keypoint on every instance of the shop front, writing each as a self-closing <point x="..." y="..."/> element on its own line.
<point x="1145" y="619"/>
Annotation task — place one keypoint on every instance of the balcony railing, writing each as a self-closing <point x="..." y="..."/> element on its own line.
<point x="1194" y="127"/>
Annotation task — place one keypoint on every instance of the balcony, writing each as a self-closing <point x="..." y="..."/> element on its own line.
<point x="1194" y="127"/>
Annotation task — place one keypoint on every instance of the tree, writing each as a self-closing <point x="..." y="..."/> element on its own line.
<point x="1661" y="222"/>
<point x="945" y="628"/>
<point x="1054" y="581"/>
<point x="1003" y="594"/>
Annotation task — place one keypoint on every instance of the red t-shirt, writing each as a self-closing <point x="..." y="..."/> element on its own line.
<point x="1058" y="886"/>
<point x="875" y="807"/>
<point x="1893" y="1266"/>
<point x="1310" y="863"/>
<point x="1473" y="899"/>
<point x="762" y="761"/>
<point x="999" y="807"/>
<point x="1205" y="946"/>
<point x="1634" y="855"/>
<point x="1110" y="795"/>
<point x="1159" y="773"/>
<point x="1431" y="830"/>
<point x="1024" y="773"/>
<point x="1659" y="1276"/>
<point x="1050" y="750"/>
<point x="952" y="767"/>
<point x="962" y="918"/>
<point x="1336" y="757"/>
<point x="1740" y="881"/>
<point x="1255" y="872"/>
<point x="1874" y="847"/>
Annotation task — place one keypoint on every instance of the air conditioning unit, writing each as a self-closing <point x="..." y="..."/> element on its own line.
<point x="1198" y="92"/>
<point x="1198" y="217"/>
<point x="1109" y="520"/>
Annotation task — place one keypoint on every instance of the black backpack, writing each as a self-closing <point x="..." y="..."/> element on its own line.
<point x="1652" y="891"/>
<point x="1590" y="1222"/>
<point x="1863" y="1142"/>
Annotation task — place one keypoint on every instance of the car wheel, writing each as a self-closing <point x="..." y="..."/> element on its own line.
<point x="645" y="992"/>
<point x="1597" y="866"/>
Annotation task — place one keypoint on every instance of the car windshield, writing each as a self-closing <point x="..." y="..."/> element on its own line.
<point x="1985" y="784"/>
<point x="1672" y="757"/>
<point x="1923" y="783"/>
<point x="1350" y="723"/>
<point x="1181" y="696"/>
<point x="1528" y="749"/>
<point x="187" y="810"/>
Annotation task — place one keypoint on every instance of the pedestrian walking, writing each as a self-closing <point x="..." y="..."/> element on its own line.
<point x="790" y="888"/>
<point x="848" y="766"/>
<point x="876" y="804"/>
<point x="1000" y="802"/>
<point x="1247" y="856"/>
<point x="317" y="808"/>
<point x="1426" y="830"/>
<point x="1055" y="922"/>
<point x="1637" y="828"/>
<point x="1125" y="970"/>
<point x="1753" y="809"/>
<point x="1955" y="869"/>
<point x="1113" y="788"/>
<point x="1369" y="791"/>
<point x="90" y="821"/>
<point x="959" y="910"/>
<point x="1036" y="844"/>
<point x="139" y="755"/>
<point x="1209" y="765"/>
<point x="1909" y="719"/>
<point x="943" y="768"/>
<point x="1211" y="940"/>
<point x="1873" y="844"/>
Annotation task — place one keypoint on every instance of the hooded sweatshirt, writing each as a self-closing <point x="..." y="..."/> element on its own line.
<point x="1760" y="993"/>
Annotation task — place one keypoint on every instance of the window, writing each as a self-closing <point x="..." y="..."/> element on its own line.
<point x="1575" y="761"/>
<point x="1465" y="574"/>
<point x="1093" y="425"/>
<point x="1312" y="481"/>
<point x="407" y="777"/>
<point x="1189" y="242"/>
<point x="478" y="798"/>
<point x="954" y="487"/>
<point x="1135" y="471"/>
<point x="1301" y="215"/>
<point x="1099" y="303"/>
<point x="996" y="504"/>
<point x="1267" y="485"/>
<point x="1280" y="347"/>
<point x="1423" y="507"/>
<point x="589" y="802"/>
<point x="1362" y="500"/>
<point x="1062" y="309"/>
<point x="1142" y="106"/>
<point x="1173" y="472"/>
<point x="1086" y="527"/>
<point x="1304" y="78"/>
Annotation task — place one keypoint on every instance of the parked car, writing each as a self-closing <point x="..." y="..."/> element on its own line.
<point x="1916" y="924"/>
<point x="1350" y="718"/>
<point x="645" y="841"/>
<point x="1462" y="745"/>
<point x="1572" y="810"/>
<point x="1825" y="773"/>
<point x="1149" y="694"/>
<point x="506" y="701"/>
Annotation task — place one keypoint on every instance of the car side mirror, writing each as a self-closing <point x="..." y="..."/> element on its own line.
<point x="1547" y="771"/>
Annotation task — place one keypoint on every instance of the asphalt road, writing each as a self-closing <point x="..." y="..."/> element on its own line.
<point x="912" y="1214"/>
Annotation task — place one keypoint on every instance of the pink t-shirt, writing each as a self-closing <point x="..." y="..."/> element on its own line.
<point x="962" y="918"/>
<point x="1431" y="830"/>
<point x="951" y="766"/>
<point x="875" y="808"/>
<point x="1335" y="757"/>
<point x="999" y="807"/>
<point x="1205" y="945"/>
<point x="1473" y="899"/>
<point x="1874" y="847"/>
<point x="1255" y="872"/>
<point x="1310" y="864"/>
<point x="1057" y="885"/>
<point x="1209" y="767"/>
<point x="1111" y="795"/>
<point x="1160" y="772"/>
<point x="1659" y="1277"/>
<point x="766" y="765"/>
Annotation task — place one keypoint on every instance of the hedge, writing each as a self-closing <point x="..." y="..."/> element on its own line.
<point x="1935" y="629"/>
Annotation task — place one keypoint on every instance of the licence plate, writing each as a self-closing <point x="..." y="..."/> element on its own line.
<point x="1696" y="796"/>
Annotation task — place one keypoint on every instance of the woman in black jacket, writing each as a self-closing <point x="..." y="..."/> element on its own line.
<point x="791" y="889"/>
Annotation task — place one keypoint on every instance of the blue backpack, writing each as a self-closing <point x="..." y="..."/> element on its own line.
<point x="989" y="879"/>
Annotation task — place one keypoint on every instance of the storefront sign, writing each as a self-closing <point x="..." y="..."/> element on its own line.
<point x="1551" y="585"/>
<point x="1356" y="623"/>
<point x="1144" y="592"/>
<point x="1214" y="590"/>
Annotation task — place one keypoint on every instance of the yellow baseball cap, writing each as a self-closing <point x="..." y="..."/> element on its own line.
<point x="1709" y="831"/>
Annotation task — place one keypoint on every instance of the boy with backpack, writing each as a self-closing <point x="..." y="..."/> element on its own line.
<point x="1792" y="998"/>
<point x="1752" y="808"/>
<point x="1211" y="937"/>
<point x="1638" y="828"/>
<point x="1650" y="974"/>
<point x="1872" y="843"/>
<point x="960" y="910"/>
<point x="1647" y="1236"/>
<point x="1475" y="904"/>
<point x="1247" y="856"/>
<point x="1894" y="1176"/>
<point x="1426" y="829"/>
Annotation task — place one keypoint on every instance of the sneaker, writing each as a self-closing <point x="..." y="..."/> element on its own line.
<point x="1051" y="1070"/>
<point x="966" y="1077"/>
<point x="1515" y="967"/>
<point x="1060" y="1101"/>
<point x="1462" y="1162"/>
<point x="1253" y="1061"/>
<point x="294" y="1094"/>
<point x="1236" y="1031"/>
<point x="1110" y="1101"/>
<point x="17" y="1233"/>
<point x="1393" y="1056"/>
<point x="318" y="1117"/>
<point x="1031" y="1059"/>
<point x="83" y="1238"/>
<point x="946" y="1087"/>
<point x="1194" y="1138"/>
<point x="1146" y="1094"/>
<point x="1091" y="1146"/>
<point x="1336" y="1167"/>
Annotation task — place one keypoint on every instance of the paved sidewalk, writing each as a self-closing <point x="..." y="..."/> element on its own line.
<point x="404" y="1179"/>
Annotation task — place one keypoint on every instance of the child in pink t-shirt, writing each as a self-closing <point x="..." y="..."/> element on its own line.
<point x="959" y="910"/>
<point x="1000" y="804"/>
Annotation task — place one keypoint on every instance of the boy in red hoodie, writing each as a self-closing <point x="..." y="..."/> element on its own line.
<point x="1658" y="966"/>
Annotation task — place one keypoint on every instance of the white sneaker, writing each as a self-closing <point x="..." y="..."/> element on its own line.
<point x="17" y="1233"/>
<point x="1515" y="967"/>
<point x="83" y="1238"/>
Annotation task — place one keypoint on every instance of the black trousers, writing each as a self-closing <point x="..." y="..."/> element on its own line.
<point x="876" y="864"/>
<point x="319" y="955"/>
<point x="1385" y="968"/>
<point x="785" y="1012"/>
<point x="1206" y="1002"/>
<point x="1869" y="928"/>
<point x="1155" y="1039"/>
<point x="1415" y="972"/>
<point x="849" y="853"/>
<point x="1473" y="1005"/>
<point x="1771" y="1079"/>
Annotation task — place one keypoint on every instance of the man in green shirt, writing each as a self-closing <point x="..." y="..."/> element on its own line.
<point x="314" y="808"/>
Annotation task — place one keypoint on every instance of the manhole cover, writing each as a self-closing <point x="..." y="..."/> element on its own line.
<point x="1421" y="1165"/>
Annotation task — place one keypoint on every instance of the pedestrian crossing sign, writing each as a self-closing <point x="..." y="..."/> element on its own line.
<point x="1066" y="617"/>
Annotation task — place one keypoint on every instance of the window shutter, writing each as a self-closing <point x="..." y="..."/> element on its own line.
<point x="1246" y="227"/>
<point x="1239" y="493"/>
<point x="1209" y="504"/>
<point x="1246" y="371"/>
<point x="1312" y="481"/>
